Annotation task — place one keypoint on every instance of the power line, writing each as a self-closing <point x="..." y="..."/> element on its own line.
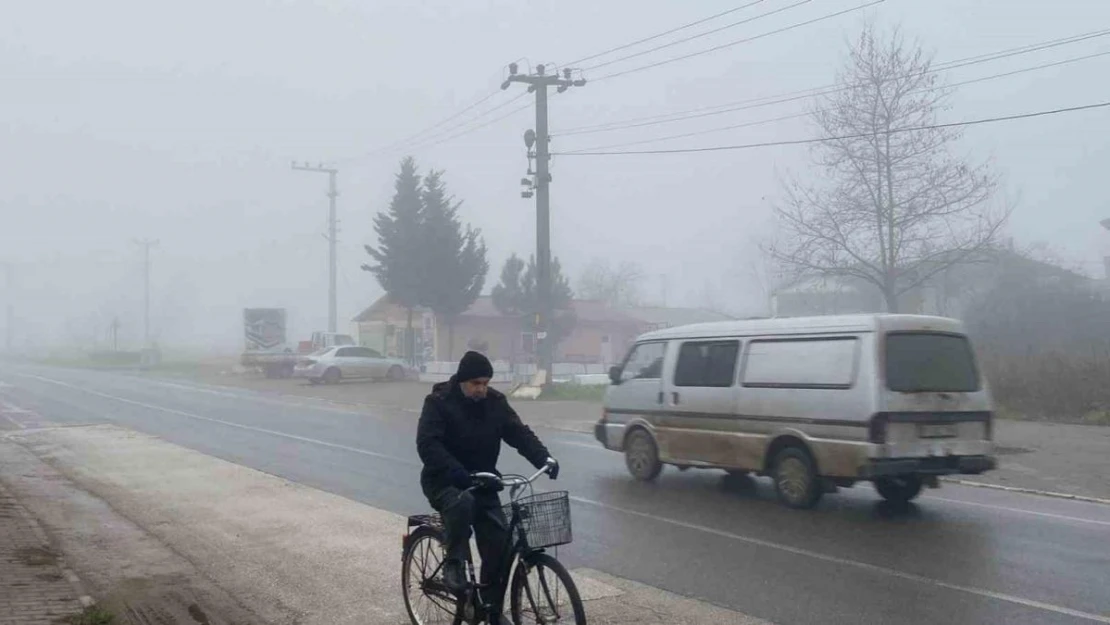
<point x="662" y="34"/>
<point x="442" y="136"/>
<point x="804" y="114"/>
<point x="684" y="135"/>
<point x="452" y="137"/>
<point x="739" y="41"/>
<point x="746" y="146"/>
<point x="782" y="98"/>
<point x="655" y="121"/>
<point x="453" y="130"/>
<point x="1033" y="47"/>
<point x="697" y="36"/>
<point x="438" y="124"/>
<point x="1024" y="70"/>
<point x="454" y="116"/>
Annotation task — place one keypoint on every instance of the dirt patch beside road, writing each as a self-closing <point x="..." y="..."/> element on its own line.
<point x="135" y="578"/>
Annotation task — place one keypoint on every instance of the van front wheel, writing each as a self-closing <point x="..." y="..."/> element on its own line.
<point x="796" y="479"/>
<point x="641" y="456"/>
<point x="899" y="489"/>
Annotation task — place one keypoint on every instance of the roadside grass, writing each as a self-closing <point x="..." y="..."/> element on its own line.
<point x="93" y="615"/>
<point x="1093" y="417"/>
<point x="573" y="392"/>
<point x="1097" y="417"/>
<point x="166" y="367"/>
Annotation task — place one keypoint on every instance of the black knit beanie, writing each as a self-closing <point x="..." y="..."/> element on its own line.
<point x="472" y="366"/>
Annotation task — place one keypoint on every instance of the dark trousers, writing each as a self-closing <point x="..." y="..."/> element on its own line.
<point x="461" y="510"/>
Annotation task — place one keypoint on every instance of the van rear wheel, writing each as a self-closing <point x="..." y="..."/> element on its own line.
<point x="900" y="488"/>
<point x="796" y="481"/>
<point x="641" y="456"/>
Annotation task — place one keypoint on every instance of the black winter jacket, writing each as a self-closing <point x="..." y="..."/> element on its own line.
<point x="456" y="432"/>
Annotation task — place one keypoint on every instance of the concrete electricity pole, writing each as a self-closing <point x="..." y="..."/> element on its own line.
<point x="332" y="237"/>
<point x="9" y="295"/>
<point x="538" y="83"/>
<point x="146" y="244"/>
<point x="1105" y="223"/>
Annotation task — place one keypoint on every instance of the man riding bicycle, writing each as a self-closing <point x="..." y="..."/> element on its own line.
<point x="460" y="432"/>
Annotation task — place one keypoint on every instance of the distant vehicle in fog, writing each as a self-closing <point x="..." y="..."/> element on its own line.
<point x="815" y="403"/>
<point x="335" y="364"/>
<point x="266" y="343"/>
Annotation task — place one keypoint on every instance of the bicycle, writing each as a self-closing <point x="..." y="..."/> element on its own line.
<point x="536" y="523"/>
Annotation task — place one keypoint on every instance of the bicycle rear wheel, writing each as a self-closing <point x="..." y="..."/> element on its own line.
<point x="543" y="592"/>
<point x="427" y="600"/>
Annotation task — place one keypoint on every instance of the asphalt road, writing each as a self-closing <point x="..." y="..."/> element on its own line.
<point x="960" y="555"/>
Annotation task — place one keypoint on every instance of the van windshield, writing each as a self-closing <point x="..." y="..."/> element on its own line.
<point x="924" y="362"/>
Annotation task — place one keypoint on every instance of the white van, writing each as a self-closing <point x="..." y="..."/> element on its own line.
<point x="815" y="403"/>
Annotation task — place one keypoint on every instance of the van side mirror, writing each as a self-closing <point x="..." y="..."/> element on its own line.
<point x="615" y="374"/>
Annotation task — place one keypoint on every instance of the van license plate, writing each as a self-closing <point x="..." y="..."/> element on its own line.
<point x="936" y="430"/>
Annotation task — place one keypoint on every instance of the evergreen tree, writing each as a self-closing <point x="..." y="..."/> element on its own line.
<point x="398" y="261"/>
<point x="455" y="257"/>
<point x="516" y="296"/>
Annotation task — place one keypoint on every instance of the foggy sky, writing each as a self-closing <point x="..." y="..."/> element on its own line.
<point x="124" y="119"/>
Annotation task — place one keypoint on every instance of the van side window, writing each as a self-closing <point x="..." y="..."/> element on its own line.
<point x="819" y="363"/>
<point x="707" y="363"/>
<point x="645" y="362"/>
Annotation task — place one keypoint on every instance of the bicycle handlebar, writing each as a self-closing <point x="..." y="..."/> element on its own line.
<point x="512" y="480"/>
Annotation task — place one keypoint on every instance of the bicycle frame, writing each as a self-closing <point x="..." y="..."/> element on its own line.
<point x="481" y="600"/>
<point x="515" y="548"/>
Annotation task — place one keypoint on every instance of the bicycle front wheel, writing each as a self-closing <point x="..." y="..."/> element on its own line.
<point x="543" y="592"/>
<point x="427" y="599"/>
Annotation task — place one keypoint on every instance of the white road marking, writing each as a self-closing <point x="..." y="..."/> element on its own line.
<point x="15" y="423"/>
<point x="7" y="410"/>
<point x="251" y="396"/>
<point x="12" y="408"/>
<point x="1027" y="491"/>
<point x="594" y="447"/>
<point x="1049" y="515"/>
<point x="182" y="413"/>
<point x="1030" y="603"/>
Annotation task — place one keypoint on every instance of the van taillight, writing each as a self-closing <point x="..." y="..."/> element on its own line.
<point x="876" y="429"/>
<point x="604" y="415"/>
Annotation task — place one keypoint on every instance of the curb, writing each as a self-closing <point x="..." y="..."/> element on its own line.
<point x="83" y="597"/>
<point x="1027" y="491"/>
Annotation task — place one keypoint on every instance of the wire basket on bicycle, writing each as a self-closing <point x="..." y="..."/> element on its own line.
<point x="545" y="518"/>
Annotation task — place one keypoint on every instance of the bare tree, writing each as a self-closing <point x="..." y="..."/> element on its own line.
<point x="616" y="286"/>
<point x="895" y="206"/>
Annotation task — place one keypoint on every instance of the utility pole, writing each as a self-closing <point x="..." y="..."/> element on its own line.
<point x="331" y="236"/>
<point x="114" y="330"/>
<point x="9" y="293"/>
<point x="146" y="244"/>
<point x="538" y="83"/>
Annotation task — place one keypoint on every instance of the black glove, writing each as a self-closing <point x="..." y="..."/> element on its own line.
<point x="460" y="478"/>
<point x="553" y="472"/>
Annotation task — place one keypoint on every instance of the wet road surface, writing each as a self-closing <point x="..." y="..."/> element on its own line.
<point x="959" y="555"/>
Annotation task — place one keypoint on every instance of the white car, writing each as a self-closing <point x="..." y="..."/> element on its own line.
<point x="348" y="362"/>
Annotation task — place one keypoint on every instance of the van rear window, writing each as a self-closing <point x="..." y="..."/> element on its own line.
<point x="923" y="362"/>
